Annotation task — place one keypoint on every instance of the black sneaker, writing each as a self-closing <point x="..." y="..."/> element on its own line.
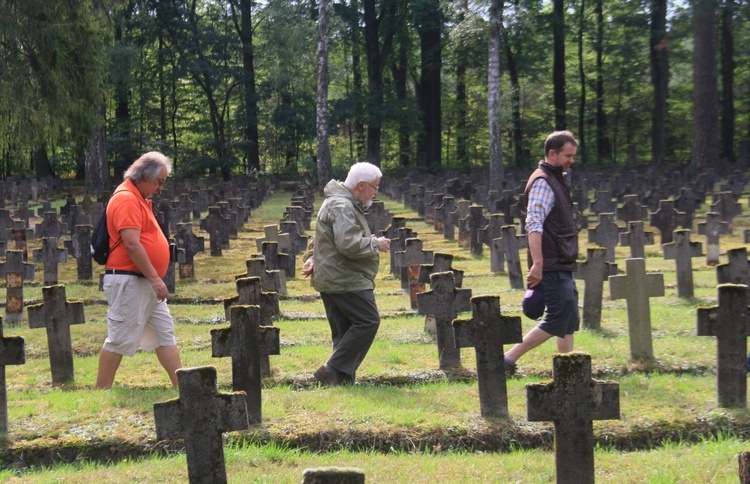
<point x="510" y="367"/>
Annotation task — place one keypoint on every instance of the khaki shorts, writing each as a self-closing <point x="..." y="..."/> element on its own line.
<point x="135" y="318"/>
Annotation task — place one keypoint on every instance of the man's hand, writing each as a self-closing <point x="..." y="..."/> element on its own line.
<point x="307" y="267"/>
<point x="384" y="244"/>
<point x="160" y="289"/>
<point x="535" y="275"/>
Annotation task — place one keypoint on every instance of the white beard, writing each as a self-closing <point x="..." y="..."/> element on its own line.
<point x="367" y="204"/>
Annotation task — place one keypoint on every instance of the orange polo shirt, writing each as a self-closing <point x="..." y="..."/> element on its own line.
<point x="128" y="209"/>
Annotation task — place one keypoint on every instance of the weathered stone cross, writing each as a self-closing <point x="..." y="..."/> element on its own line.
<point x="444" y="302"/>
<point x="56" y="314"/>
<point x="729" y="321"/>
<point x="487" y="331"/>
<point x="573" y="401"/>
<point x="636" y="287"/>
<point x="200" y="416"/>
<point x="247" y="341"/>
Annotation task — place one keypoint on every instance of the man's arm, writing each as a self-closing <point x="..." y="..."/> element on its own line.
<point x="131" y="239"/>
<point x="534" y="276"/>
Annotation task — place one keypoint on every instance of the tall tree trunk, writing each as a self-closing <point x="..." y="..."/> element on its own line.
<point x="359" y="128"/>
<point x="399" y="72"/>
<point x="515" y="92"/>
<point x="376" y="59"/>
<point x="582" y="151"/>
<point x="462" y="108"/>
<point x="40" y="161"/>
<point x="95" y="162"/>
<point x="705" y="90"/>
<point x="558" y="64"/>
<point x="603" y="148"/>
<point x="493" y="93"/>
<point x="325" y="170"/>
<point x="430" y="143"/>
<point x="660" y="79"/>
<point x="252" y="151"/>
<point x="125" y="151"/>
<point x="727" y="82"/>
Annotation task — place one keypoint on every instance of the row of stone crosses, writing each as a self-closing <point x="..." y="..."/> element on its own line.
<point x="487" y="330"/>
<point x="251" y="339"/>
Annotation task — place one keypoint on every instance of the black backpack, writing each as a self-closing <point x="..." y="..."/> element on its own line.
<point x="100" y="240"/>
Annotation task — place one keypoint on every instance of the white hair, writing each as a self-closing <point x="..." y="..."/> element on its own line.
<point x="362" y="172"/>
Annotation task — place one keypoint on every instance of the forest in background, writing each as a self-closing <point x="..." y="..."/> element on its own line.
<point x="228" y="87"/>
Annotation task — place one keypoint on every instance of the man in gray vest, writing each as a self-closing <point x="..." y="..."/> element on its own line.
<point x="344" y="263"/>
<point x="553" y="247"/>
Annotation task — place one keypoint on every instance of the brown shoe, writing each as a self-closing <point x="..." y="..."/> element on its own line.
<point x="327" y="375"/>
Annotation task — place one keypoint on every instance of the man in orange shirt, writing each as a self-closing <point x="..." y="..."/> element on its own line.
<point x="138" y="315"/>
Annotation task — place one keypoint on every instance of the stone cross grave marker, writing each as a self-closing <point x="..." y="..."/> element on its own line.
<point x="297" y="214"/>
<point x="398" y="244"/>
<point x="429" y="207"/>
<point x="234" y="222"/>
<point x="687" y="202"/>
<point x="727" y="207"/>
<point x="737" y="268"/>
<point x="682" y="250"/>
<point x="247" y="341"/>
<point x="272" y="235"/>
<point x="666" y="218"/>
<point x="50" y="226"/>
<point x="80" y="249"/>
<point x="217" y="226"/>
<point x="275" y="259"/>
<point x="23" y="213"/>
<point x="50" y="255"/>
<point x="594" y="271"/>
<point x="631" y="210"/>
<point x="200" y="416"/>
<point x="449" y="218"/>
<point x="712" y="228"/>
<point x="744" y="466"/>
<point x="188" y="244"/>
<point x="243" y="212"/>
<point x="297" y="242"/>
<point x="76" y="216"/>
<point x="440" y="263"/>
<point x="603" y="202"/>
<point x="636" y="287"/>
<point x="6" y="223"/>
<point x="506" y="205"/>
<point x="443" y="301"/>
<point x="46" y="207"/>
<point x="510" y="245"/>
<point x="56" y="314"/>
<point x="729" y="321"/>
<point x="475" y="222"/>
<point x="573" y="401"/>
<point x="606" y="234"/>
<point x="487" y="235"/>
<point x="21" y="234"/>
<point x="250" y="292"/>
<point x="409" y="261"/>
<point x="391" y="232"/>
<point x="15" y="271"/>
<point x="460" y="217"/>
<point x="487" y="331"/>
<point x="11" y="353"/>
<point x="333" y="475"/>
<point x="636" y="239"/>
<point x="377" y="216"/>
<point x="441" y="210"/>
<point x="270" y="280"/>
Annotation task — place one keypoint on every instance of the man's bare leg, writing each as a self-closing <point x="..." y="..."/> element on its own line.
<point x="169" y="358"/>
<point x="108" y="364"/>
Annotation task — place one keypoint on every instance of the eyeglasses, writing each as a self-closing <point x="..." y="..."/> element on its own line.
<point x="160" y="182"/>
<point x="377" y="189"/>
